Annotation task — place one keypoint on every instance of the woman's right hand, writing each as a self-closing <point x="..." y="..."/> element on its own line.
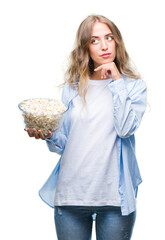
<point x="38" y="134"/>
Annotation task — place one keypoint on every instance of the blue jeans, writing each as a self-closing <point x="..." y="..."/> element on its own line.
<point x="75" y="223"/>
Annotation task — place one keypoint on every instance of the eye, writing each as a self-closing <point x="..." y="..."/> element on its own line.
<point x="94" y="41"/>
<point x="109" y="38"/>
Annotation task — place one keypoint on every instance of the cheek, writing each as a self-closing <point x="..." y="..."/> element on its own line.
<point x="113" y="47"/>
<point x="92" y="51"/>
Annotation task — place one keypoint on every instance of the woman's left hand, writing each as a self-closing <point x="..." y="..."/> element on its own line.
<point x="109" y="70"/>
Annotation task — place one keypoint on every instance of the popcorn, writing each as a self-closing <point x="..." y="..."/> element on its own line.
<point x="43" y="114"/>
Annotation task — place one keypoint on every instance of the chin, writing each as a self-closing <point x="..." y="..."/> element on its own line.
<point x="103" y="61"/>
<point x="106" y="61"/>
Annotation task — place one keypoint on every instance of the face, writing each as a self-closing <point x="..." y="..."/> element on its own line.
<point x="102" y="47"/>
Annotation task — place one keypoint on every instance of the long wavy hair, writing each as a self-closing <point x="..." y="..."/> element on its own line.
<point x="81" y="66"/>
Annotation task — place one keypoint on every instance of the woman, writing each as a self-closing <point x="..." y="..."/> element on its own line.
<point x="97" y="175"/>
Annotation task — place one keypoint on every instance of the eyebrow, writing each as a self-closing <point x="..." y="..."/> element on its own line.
<point x="105" y="35"/>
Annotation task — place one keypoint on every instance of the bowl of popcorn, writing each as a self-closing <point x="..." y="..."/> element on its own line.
<point x="43" y="114"/>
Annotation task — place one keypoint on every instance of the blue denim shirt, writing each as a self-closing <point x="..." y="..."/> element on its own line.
<point x="130" y="100"/>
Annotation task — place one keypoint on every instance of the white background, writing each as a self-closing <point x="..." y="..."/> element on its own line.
<point x="36" y="38"/>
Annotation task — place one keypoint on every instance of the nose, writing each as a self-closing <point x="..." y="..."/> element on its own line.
<point x="103" y="45"/>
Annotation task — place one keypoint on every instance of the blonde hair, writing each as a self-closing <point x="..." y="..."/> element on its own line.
<point x="81" y="65"/>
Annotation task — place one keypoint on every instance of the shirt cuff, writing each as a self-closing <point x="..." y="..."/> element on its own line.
<point x="117" y="86"/>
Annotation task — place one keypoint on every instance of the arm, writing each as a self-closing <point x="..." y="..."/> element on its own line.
<point x="129" y="105"/>
<point x="55" y="141"/>
<point x="58" y="140"/>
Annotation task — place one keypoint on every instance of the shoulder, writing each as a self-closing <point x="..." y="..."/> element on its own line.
<point x="67" y="89"/>
<point x="134" y="84"/>
<point x="68" y="93"/>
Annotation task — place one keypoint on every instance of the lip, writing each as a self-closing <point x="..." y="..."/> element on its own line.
<point x="105" y="55"/>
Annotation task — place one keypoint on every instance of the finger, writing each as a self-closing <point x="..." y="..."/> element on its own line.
<point x="29" y="132"/>
<point x="40" y="133"/>
<point x="103" y="73"/>
<point x="108" y="73"/>
<point x="35" y="133"/>
<point x="49" y="135"/>
<point x="98" y="68"/>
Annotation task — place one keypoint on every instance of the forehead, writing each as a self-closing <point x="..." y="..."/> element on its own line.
<point x="100" y="29"/>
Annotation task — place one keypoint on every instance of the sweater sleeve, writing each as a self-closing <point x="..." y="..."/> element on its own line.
<point x="129" y="105"/>
<point x="58" y="140"/>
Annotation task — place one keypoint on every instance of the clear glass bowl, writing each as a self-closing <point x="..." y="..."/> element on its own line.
<point x="46" y="121"/>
